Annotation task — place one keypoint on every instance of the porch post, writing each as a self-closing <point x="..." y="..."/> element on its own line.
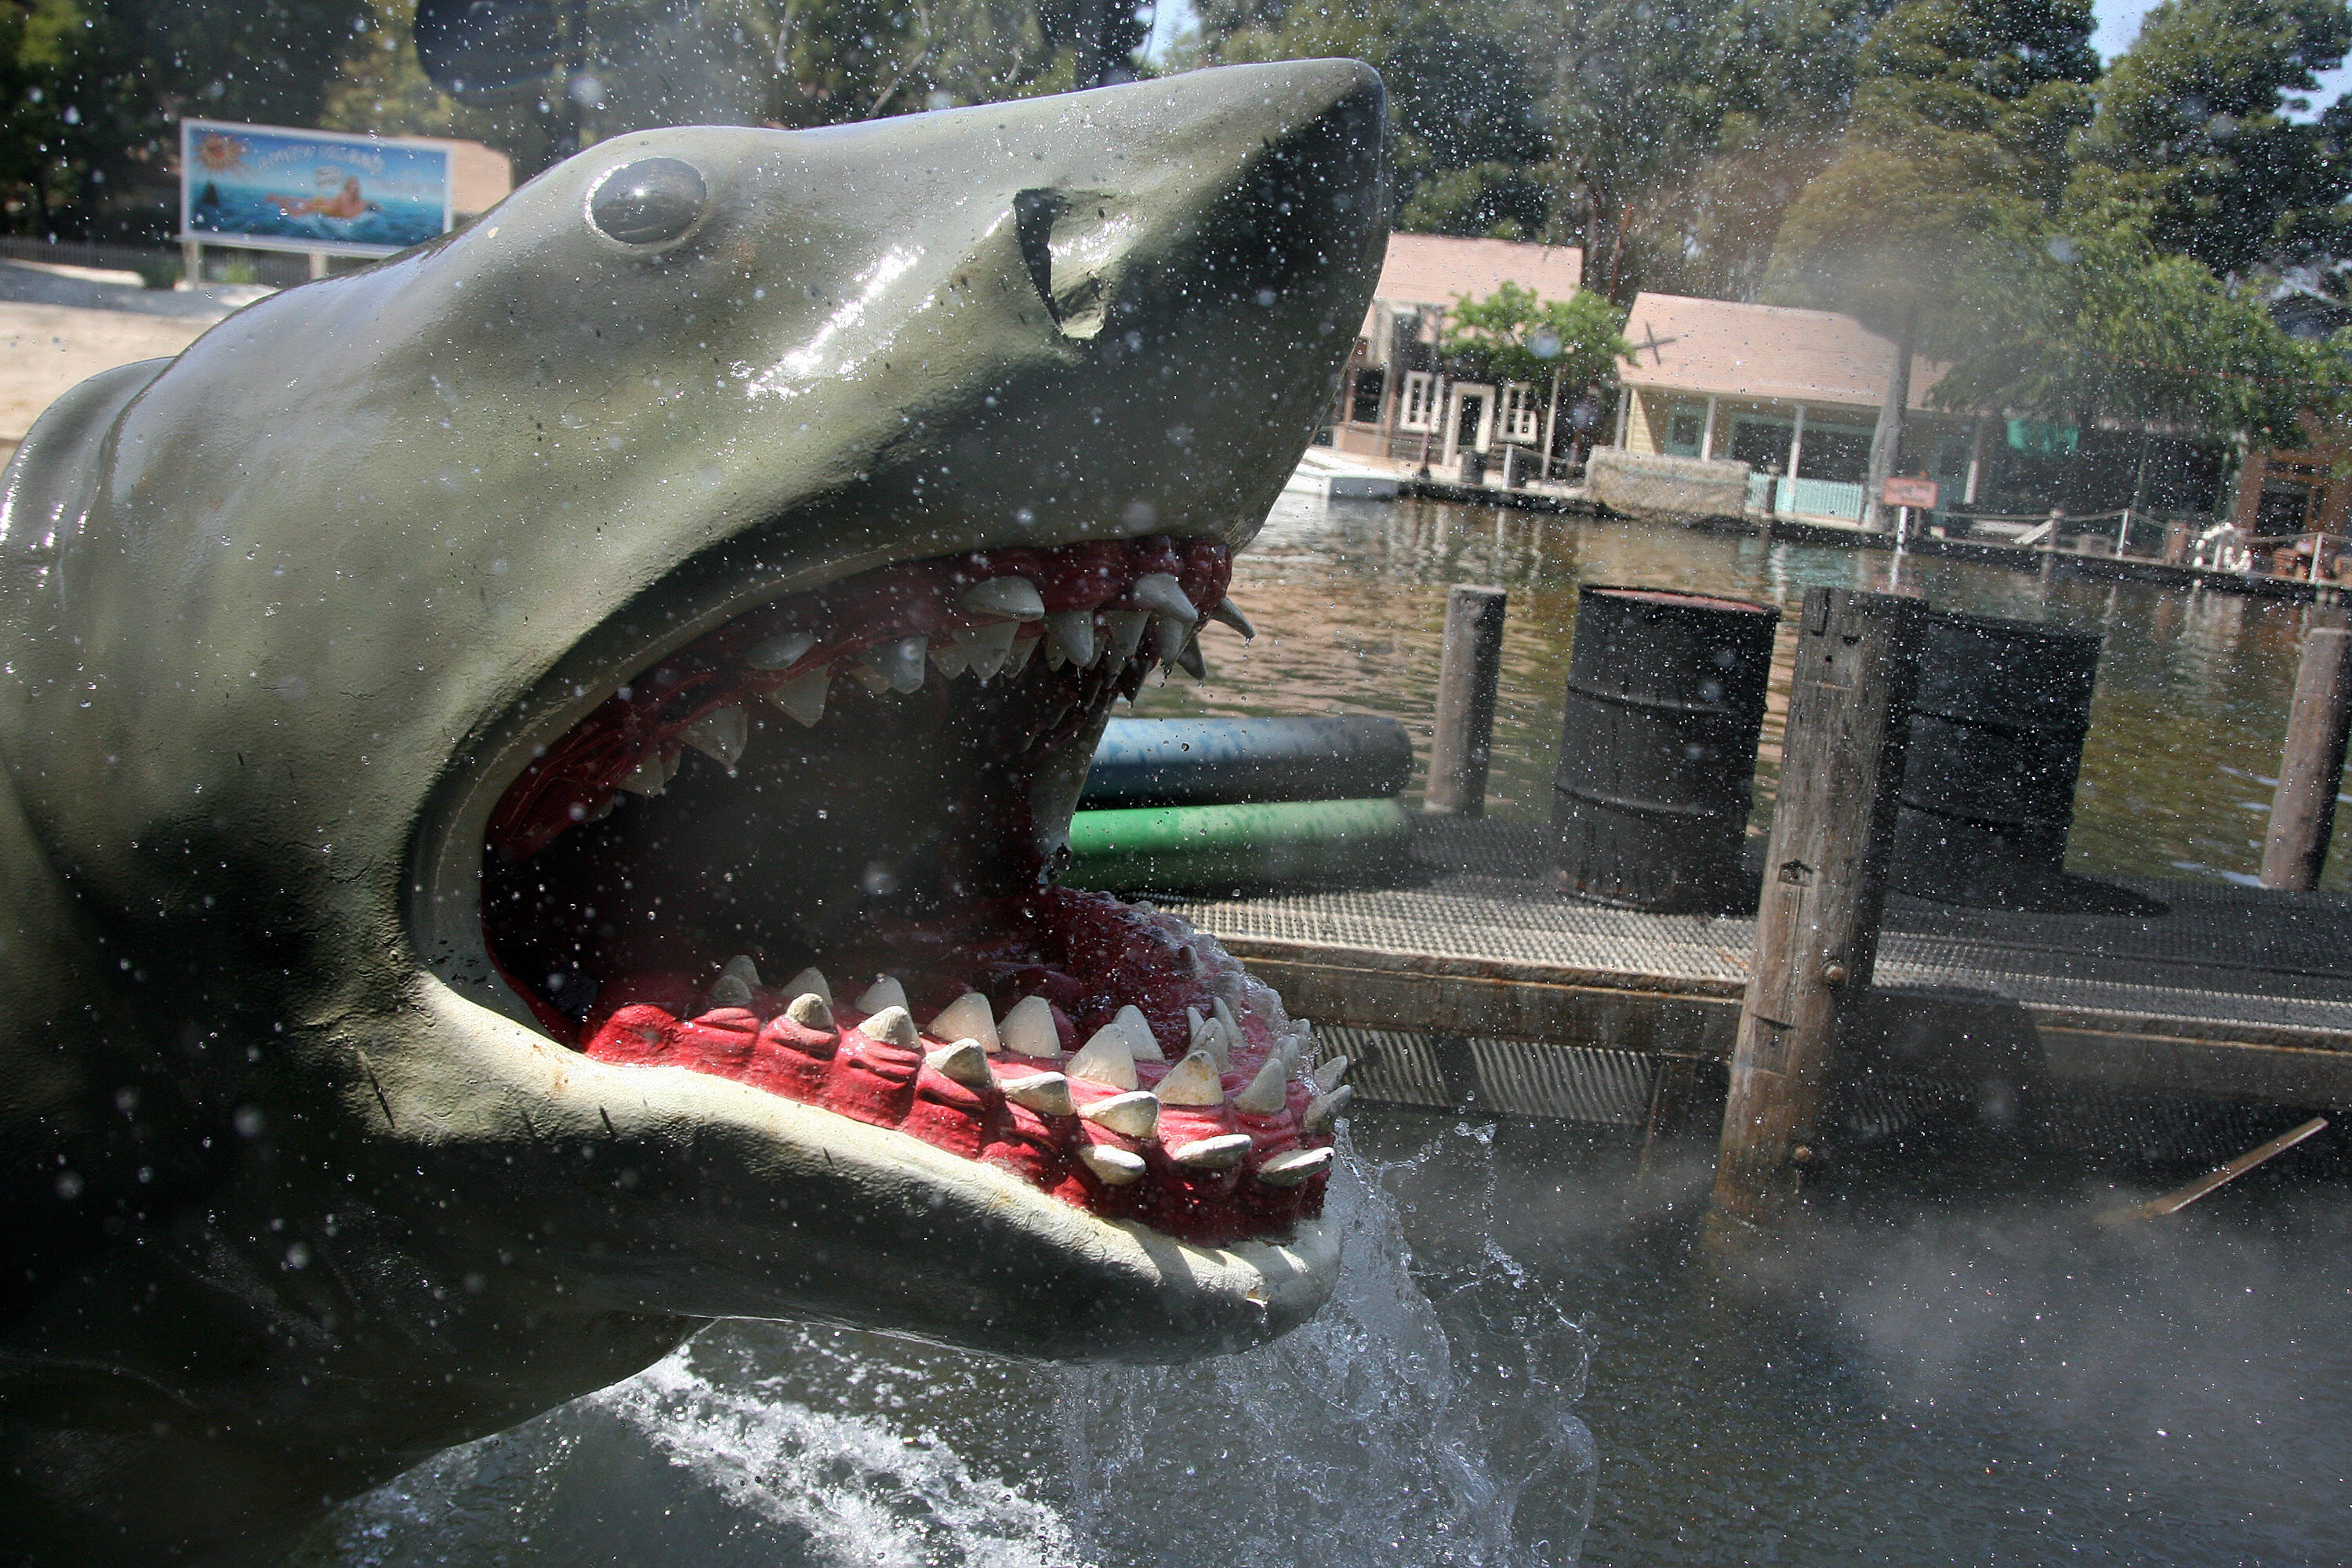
<point x="1976" y="459"/>
<point x="1625" y="396"/>
<point x="1706" y="436"/>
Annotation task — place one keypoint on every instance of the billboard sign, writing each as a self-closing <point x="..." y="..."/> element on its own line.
<point x="266" y="187"/>
<point x="1903" y="491"/>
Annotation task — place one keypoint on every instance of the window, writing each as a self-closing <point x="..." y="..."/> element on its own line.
<point x="1420" y="410"/>
<point x="1364" y="407"/>
<point x="1684" y="426"/>
<point x="1522" y="410"/>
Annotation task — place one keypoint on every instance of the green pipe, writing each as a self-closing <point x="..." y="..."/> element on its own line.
<point x="1215" y="847"/>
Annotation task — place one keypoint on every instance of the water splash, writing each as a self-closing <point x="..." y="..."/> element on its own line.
<point x="1422" y="1420"/>
<point x="1399" y="1426"/>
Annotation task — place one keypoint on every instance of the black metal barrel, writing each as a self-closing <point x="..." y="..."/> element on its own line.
<point x="1996" y="745"/>
<point x="1657" y="748"/>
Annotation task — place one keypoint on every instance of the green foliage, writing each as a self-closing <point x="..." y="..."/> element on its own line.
<point x="1959" y="126"/>
<point x="1465" y="129"/>
<point x="1512" y="335"/>
<point x="2093" y="318"/>
<point x="2194" y="120"/>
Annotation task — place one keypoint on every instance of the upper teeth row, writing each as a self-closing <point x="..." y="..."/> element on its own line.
<point x="1107" y="1058"/>
<point x="994" y="647"/>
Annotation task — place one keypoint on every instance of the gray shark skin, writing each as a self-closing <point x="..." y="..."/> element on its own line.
<point x="296" y="1195"/>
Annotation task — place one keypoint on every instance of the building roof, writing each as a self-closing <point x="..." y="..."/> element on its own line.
<point x="1722" y="348"/>
<point x="1437" y="269"/>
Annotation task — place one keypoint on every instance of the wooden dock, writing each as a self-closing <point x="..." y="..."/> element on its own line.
<point x="2235" y="994"/>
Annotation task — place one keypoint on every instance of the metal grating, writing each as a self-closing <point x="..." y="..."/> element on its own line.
<point x="2224" y="955"/>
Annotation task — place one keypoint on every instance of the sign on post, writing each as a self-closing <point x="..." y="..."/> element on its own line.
<point x="1904" y="490"/>
<point x="268" y="187"/>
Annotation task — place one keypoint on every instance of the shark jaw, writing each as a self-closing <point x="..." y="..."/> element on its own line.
<point x="865" y="787"/>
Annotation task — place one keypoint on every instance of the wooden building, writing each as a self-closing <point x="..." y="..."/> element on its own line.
<point x="1396" y="398"/>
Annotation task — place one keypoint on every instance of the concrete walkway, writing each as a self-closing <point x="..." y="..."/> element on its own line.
<point x="61" y="325"/>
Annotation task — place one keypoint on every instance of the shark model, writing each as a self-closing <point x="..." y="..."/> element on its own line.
<point x="533" y="779"/>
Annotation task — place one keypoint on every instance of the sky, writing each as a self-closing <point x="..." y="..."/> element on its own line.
<point x="2118" y="25"/>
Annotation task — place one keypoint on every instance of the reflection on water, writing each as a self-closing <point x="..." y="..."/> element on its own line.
<point x="1349" y="601"/>
<point x="1950" y="1363"/>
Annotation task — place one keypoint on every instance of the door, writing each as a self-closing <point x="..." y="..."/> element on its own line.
<point x="1473" y="420"/>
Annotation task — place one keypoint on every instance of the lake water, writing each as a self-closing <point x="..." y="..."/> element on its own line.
<point x="1540" y="1348"/>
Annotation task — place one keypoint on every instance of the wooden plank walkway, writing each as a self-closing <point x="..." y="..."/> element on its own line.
<point x="2235" y="994"/>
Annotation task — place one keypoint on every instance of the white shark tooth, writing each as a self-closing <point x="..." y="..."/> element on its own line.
<point x="1225" y="1013"/>
<point x="1222" y="1153"/>
<point x="1266" y="1092"/>
<point x="1192" y="1081"/>
<point x="730" y="991"/>
<point x="1070" y="637"/>
<point x="1107" y="1057"/>
<point x="1123" y="631"/>
<point x="886" y="992"/>
<point x="898" y="664"/>
<point x="863" y="671"/>
<point x="810" y="982"/>
<point x="1189" y="659"/>
<point x="1140" y="1041"/>
<point x="781" y="652"/>
<point x="1209" y="1035"/>
<point x="1328" y="1076"/>
<point x="742" y="967"/>
<point x="967" y="1018"/>
<point x="987" y="647"/>
<point x="1293" y="1166"/>
<point x="1324" y="1109"/>
<point x="1169" y="636"/>
<point x="1046" y="1093"/>
<point x="1133" y="1115"/>
<point x="1014" y="598"/>
<point x="720" y="734"/>
<point x="965" y="1062"/>
<point x="803" y="696"/>
<point x="892" y="1025"/>
<point x="810" y="1011"/>
<point x="1111" y="1167"/>
<point x="1023" y="651"/>
<point x="1027" y="1030"/>
<point x="1229" y="613"/>
<point x="649" y="777"/>
<point x="950" y="657"/>
<point x="1162" y="595"/>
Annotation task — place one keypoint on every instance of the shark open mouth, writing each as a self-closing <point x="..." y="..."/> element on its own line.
<point x="872" y="781"/>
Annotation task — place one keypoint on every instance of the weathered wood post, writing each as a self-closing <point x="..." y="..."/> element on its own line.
<point x="1466" y="681"/>
<point x="2303" y="809"/>
<point x="1824" y="884"/>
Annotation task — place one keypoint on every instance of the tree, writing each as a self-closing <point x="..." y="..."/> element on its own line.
<point x="1463" y="96"/>
<point x="2091" y="318"/>
<point x="1960" y="126"/>
<point x="2194" y="119"/>
<point x="1513" y="336"/>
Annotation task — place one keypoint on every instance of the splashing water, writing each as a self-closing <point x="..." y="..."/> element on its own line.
<point x="1417" y="1420"/>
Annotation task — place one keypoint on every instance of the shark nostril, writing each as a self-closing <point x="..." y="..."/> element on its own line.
<point x="1071" y="242"/>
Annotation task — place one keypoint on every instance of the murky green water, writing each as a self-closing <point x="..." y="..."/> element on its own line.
<point x="1350" y="600"/>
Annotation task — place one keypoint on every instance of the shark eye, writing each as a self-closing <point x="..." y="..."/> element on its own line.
<point x="651" y="202"/>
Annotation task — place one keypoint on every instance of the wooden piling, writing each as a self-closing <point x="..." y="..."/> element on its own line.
<point x="1466" y="681"/>
<point x="1824" y="885"/>
<point x="2303" y="809"/>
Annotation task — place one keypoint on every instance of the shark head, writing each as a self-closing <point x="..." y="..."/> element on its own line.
<point x="535" y="772"/>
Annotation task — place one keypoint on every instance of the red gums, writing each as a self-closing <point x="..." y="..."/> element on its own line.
<point x="845" y="1071"/>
